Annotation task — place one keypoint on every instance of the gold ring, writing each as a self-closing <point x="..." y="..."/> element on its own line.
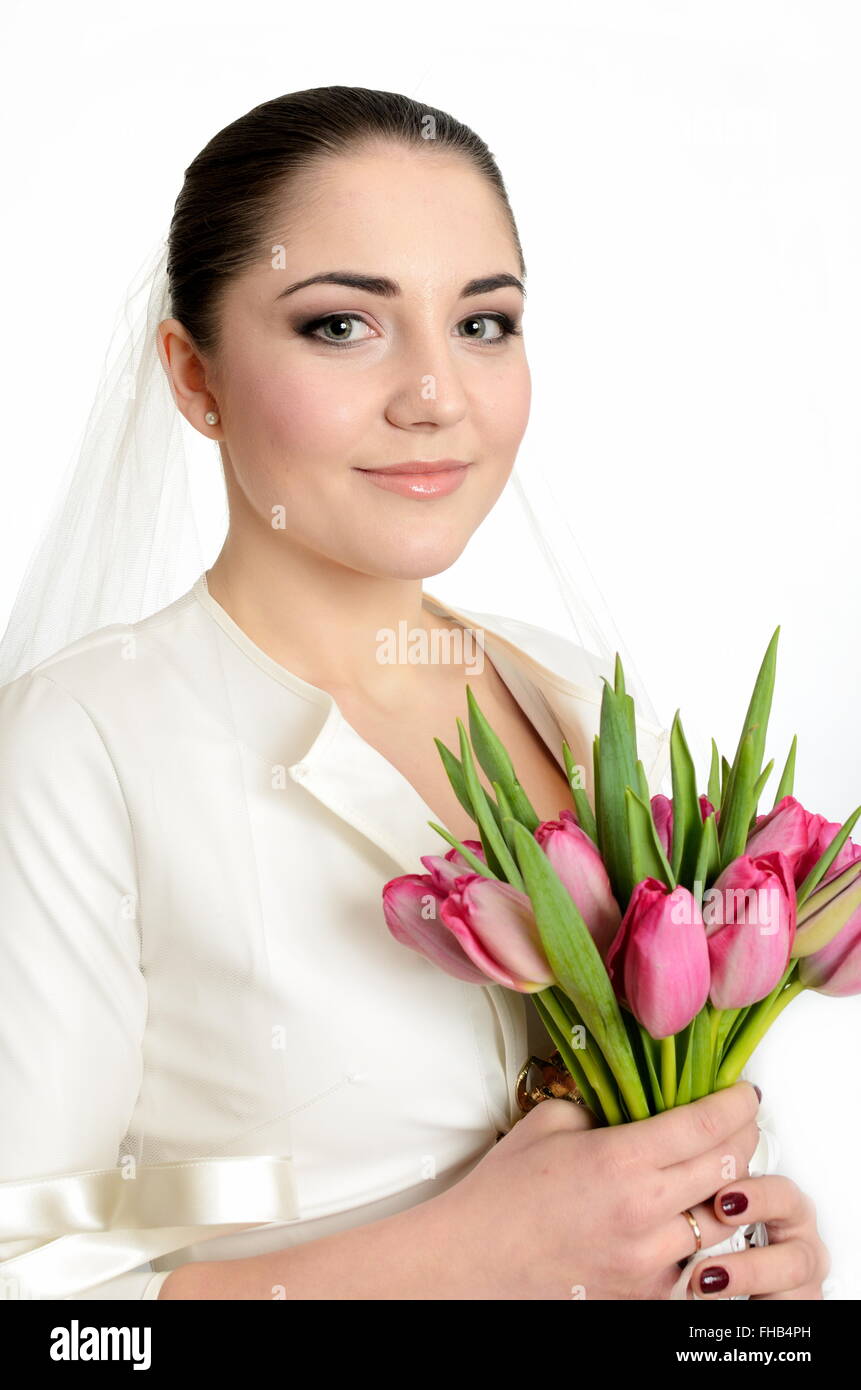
<point x="694" y="1227"/>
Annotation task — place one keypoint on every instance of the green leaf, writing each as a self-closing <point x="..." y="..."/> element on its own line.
<point x="707" y="866"/>
<point x="648" y="859"/>
<point x="685" y="1088"/>
<point x="577" y="966"/>
<point x="642" y="787"/>
<point x="687" y="821"/>
<point x="823" y="864"/>
<point x="477" y="865"/>
<point x="683" y="1055"/>
<point x="714" y="788"/>
<point x="831" y="916"/>
<point x="493" y="758"/>
<point x="787" y="779"/>
<point x="618" y="760"/>
<point x="505" y="812"/>
<point x="647" y="1046"/>
<point x="583" y="811"/>
<point x="701" y="1054"/>
<point x="756" y="720"/>
<point x="568" y="1054"/>
<point x="596" y="780"/>
<point x="738" y="805"/>
<point x="492" y="838"/>
<point x="454" y="772"/>
<point x="759" y="784"/>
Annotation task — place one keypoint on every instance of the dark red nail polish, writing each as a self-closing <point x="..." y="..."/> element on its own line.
<point x="713" y="1279"/>
<point x="732" y="1203"/>
<point x="756" y="1088"/>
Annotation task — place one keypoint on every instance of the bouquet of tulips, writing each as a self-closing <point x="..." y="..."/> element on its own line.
<point x="659" y="938"/>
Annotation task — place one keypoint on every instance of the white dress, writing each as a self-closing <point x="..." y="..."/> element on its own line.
<point x="210" y="1044"/>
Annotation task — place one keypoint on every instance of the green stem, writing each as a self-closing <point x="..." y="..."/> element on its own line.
<point x="668" y="1071"/>
<point x="751" y="1015"/>
<point x="757" y="1025"/>
<point x="590" y="1057"/>
<point x="562" y="1040"/>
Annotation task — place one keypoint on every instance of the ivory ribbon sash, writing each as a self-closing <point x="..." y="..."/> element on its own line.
<point x="99" y="1224"/>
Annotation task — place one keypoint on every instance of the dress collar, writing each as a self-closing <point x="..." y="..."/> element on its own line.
<point x="356" y="782"/>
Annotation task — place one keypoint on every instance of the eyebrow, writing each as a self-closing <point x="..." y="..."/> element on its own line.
<point x="390" y="289"/>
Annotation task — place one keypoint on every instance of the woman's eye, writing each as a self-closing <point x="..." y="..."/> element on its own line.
<point x="478" y="333"/>
<point x="341" y="323"/>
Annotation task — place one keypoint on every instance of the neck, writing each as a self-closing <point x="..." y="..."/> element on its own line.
<point x="332" y="626"/>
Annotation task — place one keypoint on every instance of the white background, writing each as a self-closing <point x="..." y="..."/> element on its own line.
<point x="686" y="183"/>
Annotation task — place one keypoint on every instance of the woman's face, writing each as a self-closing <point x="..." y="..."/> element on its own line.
<point x="316" y="384"/>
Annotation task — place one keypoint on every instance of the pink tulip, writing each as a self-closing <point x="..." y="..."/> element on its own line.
<point x="662" y="815"/>
<point x="749" y="915"/>
<point x="579" y="865"/>
<point x="411" y="906"/>
<point x="659" y="960"/>
<point x="495" y="925"/>
<point x="445" y="868"/>
<point x="850" y="853"/>
<point x="803" y="836"/>
<point x="836" y="968"/>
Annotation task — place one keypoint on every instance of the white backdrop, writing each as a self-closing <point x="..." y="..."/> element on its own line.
<point x="686" y="183"/>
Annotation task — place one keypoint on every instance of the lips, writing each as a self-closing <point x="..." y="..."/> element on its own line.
<point x="419" y="479"/>
<point x="419" y="466"/>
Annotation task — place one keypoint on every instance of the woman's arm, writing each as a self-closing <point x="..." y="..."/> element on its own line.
<point x="558" y="1209"/>
<point x="412" y="1254"/>
<point x="73" y="1000"/>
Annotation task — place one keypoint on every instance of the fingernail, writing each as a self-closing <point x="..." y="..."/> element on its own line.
<point x="713" y="1279"/>
<point x="756" y="1088"/>
<point x="732" y="1203"/>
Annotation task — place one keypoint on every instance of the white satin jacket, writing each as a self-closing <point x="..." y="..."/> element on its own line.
<point x="210" y="1044"/>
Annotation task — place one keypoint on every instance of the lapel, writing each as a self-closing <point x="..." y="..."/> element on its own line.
<point x="355" y="781"/>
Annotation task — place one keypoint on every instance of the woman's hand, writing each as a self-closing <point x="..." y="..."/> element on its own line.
<point x="793" y="1264"/>
<point x="561" y="1208"/>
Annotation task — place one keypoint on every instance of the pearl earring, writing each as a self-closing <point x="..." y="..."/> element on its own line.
<point x="211" y="417"/>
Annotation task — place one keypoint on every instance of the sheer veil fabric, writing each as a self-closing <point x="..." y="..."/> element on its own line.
<point x="122" y="544"/>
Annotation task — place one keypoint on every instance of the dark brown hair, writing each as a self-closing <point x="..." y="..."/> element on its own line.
<point x="234" y="190"/>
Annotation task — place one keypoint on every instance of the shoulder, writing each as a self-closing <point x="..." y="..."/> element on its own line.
<point x="570" y="676"/>
<point x="59" y="717"/>
<point x="105" y="666"/>
<point x="560" y="656"/>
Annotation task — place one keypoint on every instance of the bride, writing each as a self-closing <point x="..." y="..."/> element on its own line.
<point x="221" y="1076"/>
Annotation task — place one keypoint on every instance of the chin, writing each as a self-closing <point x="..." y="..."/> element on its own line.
<point x="422" y="562"/>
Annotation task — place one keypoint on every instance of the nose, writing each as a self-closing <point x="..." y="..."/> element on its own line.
<point x="426" y="388"/>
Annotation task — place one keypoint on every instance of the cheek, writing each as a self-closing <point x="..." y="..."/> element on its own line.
<point x="302" y="413"/>
<point x="506" y="411"/>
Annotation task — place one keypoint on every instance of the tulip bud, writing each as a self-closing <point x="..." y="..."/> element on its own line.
<point x="662" y="815"/>
<point x="821" y="837"/>
<point x="445" y="868"/>
<point x="790" y="829"/>
<point x="659" y="960"/>
<point x="411" y="907"/>
<point x="749" y="915"/>
<point x="836" y="968"/>
<point x="495" y="925"/>
<point x="581" y="869"/>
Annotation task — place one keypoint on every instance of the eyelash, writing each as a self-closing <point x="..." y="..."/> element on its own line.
<point x="506" y="322"/>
